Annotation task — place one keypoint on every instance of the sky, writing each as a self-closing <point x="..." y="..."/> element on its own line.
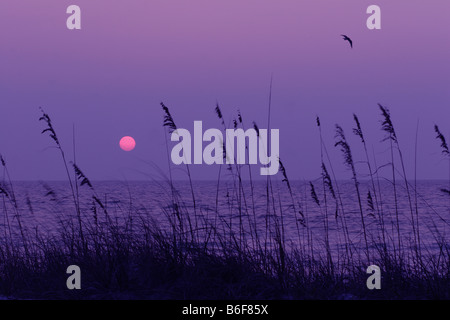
<point x="107" y="80"/>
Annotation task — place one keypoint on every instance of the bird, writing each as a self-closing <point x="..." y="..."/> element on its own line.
<point x="347" y="39"/>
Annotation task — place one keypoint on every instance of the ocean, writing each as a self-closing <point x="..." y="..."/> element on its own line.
<point x="295" y="216"/>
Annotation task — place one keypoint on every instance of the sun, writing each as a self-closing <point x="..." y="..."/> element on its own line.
<point x="127" y="143"/>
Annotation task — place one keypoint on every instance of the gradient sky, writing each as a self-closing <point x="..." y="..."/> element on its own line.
<point x="108" y="79"/>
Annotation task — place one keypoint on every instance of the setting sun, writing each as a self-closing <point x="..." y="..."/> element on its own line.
<point x="127" y="143"/>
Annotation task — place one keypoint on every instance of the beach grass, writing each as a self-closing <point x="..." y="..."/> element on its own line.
<point x="191" y="257"/>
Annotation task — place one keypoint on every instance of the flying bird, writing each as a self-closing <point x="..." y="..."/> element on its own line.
<point x="347" y="39"/>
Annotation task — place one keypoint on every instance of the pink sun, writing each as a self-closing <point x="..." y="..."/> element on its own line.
<point x="127" y="143"/>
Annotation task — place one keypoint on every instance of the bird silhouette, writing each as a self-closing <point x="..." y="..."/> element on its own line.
<point x="347" y="39"/>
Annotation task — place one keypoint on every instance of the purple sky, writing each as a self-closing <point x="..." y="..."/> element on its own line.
<point x="109" y="78"/>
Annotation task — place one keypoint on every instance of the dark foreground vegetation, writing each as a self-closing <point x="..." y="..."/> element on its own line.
<point x="192" y="257"/>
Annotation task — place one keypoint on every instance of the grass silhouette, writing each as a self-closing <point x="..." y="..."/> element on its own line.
<point x="192" y="257"/>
